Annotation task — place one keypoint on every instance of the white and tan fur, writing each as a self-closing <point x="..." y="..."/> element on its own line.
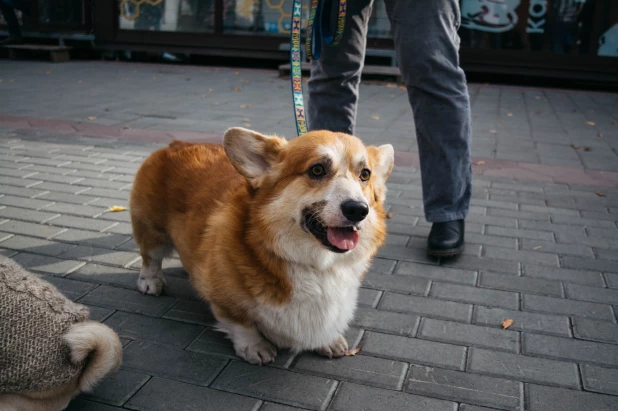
<point x="238" y="218"/>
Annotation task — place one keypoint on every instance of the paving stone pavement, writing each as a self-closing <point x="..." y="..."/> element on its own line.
<point x="542" y="254"/>
<point x="538" y="126"/>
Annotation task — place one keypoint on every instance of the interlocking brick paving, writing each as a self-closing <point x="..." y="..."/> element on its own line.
<point x="539" y="252"/>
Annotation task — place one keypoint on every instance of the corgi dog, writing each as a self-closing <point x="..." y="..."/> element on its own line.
<point x="276" y="235"/>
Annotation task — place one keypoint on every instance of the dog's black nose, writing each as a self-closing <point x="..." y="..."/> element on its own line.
<point x="355" y="210"/>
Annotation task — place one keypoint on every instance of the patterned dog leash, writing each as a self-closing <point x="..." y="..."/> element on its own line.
<point x="319" y="30"/>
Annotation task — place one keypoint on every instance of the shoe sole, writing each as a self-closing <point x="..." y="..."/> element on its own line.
<point x="446" y="253"/>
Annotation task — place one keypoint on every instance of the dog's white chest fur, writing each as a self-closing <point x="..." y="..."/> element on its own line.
<point x="321" y="308"/>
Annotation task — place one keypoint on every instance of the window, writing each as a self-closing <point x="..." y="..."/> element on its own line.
<point x="168" y="15"/>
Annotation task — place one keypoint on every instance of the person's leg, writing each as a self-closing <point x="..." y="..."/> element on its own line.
<point x="427" y="44"/>
<point x="333" y="85"/>
<point x="11" y="20"/>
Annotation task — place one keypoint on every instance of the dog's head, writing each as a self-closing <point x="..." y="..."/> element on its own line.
<point x="318" y="199"/>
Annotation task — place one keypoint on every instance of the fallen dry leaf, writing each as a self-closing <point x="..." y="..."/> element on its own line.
<point x="375" y="117"/>
<point x="92" y="118"/>
<point x="247" y="125"/>
<point x="587" y="148"/>
<point x="509" y="114"/>
<point x="575" y="146"/>
<point x="403" y="87"/>
<point x="600" y="134"/>
<point x="493" y="131"/>
<point x="79" y="82"/>
<point x="126" y="127"/>
<point x="601" y="194"/>
<point x="116" y="209"/>
<point x="11" y="81"/>
<point x="210" y="90"/>
<point x="479" y="163"/>
<point x="591" y="123"/>
<point x="537" y="111"/>
<point x="501" y="121"/>
<point x="236" y="73"/>
<point x="507" y="323"/>
<point x="538" y="247"/>
<point x="243" y="106"/>
<point x="217" y="103"/>
<point x="614" y="122"/>
<point x="389" y="215"/>
<point x="391" y="85"/>
<point x="352" y="352"/>
<point x="537" y="97"/>
<point x="412" y="206"/>
<point x="204" y="95"/>
<point x="237" y="89"/>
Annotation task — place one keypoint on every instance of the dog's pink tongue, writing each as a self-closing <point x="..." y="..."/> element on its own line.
<point x="343" y="239"/>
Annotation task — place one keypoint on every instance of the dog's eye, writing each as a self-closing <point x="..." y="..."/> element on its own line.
<point x="317" y="170"/>
<point x="365" y="174"/>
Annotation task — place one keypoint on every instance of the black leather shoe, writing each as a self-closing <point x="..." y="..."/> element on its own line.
<point x="446" y="239"/>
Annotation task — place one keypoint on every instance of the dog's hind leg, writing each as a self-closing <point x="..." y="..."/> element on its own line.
<point x="151" y="279"/>
<point x="154" y="246"/>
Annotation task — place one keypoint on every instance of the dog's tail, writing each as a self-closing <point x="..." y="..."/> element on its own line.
<point x="98" y="342"/>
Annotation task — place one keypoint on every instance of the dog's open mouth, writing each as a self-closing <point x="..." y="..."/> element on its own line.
<point x="337" y="239"/>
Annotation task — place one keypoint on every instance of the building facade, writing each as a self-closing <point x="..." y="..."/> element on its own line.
<point x="576" y="38"/>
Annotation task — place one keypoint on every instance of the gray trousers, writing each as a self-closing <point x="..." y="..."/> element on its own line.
<point x="427" y="45"/>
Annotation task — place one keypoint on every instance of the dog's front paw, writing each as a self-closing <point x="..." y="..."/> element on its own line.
<point x="150" y="285"/>
<point x="336" y="349"/>
<point x="259" y="353"/>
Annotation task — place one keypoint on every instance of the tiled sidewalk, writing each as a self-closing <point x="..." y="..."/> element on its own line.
<point x="536" y="126"/>
<point x="542" y="254"/>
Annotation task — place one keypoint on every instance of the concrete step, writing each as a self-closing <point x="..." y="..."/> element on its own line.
<point x="56" y="54"/>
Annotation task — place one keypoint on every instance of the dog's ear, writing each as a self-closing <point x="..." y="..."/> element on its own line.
<point x="252" y="154"/>
<point x="383" y="159"/>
